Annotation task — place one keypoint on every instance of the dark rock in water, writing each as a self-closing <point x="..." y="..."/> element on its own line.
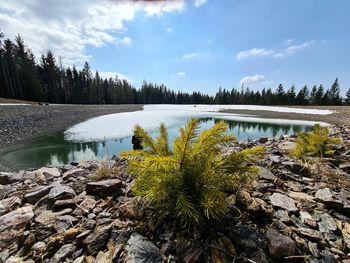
<point x="37" y="194"/>
<point x="283" y="201"/>
<point x="64" y="252"/>
<point x="263" y="140"/>
<point x="12" y="226"/>
<point x="140" y="250"/>
<point x="97" y="240"/>
<point x="280" y="245"/>
<point x="61" y="192"/>
<point x="104" y="188"/>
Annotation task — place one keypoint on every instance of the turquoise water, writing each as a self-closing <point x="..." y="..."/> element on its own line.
<point x="66" y="146"/>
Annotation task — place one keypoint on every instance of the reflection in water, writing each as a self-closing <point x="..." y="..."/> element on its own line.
<point x="56" y="150"/>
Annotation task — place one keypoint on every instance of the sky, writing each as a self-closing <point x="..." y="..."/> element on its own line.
<point x="194" y="45"/>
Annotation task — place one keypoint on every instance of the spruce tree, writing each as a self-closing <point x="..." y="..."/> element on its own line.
<point x="191" y="179"/>
<point x="347" y="99"/>
<point x="334" y="94"/>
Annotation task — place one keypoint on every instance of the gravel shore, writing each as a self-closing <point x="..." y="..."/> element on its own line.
<point x="19" y="123"/>
<point x="341" y="115"/>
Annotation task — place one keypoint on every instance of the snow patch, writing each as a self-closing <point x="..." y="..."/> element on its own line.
<point x="216" y="108"/>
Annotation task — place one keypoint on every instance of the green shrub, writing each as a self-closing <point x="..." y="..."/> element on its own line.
<point x="191" y="179"/>
<point x="314" y="143"/>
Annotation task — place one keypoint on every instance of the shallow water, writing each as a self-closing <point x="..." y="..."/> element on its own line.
<point x="107" y="135"/>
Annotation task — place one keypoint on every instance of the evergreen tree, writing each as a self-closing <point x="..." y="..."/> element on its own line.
<point x="191" y="179"/>
<point x="347" y="99"/>
<point x="334" y="94"/>
<point x="280" y="95"/>
<point x="303" y="96"/>
<point x="290" y="96"/>
<point x="319" y="95"/>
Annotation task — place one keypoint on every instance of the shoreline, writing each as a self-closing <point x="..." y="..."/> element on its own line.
<point x="341" y="115"/>
<point x="22" y="123"/>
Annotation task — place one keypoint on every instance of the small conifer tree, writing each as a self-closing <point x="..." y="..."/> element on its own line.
<point x="314" y="143"/>
<point x="191" y="179"/>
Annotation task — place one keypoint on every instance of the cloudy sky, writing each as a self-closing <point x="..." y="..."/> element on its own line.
<point x="192" y="45"/>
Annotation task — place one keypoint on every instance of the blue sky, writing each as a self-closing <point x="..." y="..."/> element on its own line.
<point x="193" y="45"/>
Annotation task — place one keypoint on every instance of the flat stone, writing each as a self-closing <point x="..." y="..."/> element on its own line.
<point x="97" y="240"/>
<point x="8" y="204"/>
<point x="345" y="167"/>
<point x="48" y="172"/>
<point x="327" y="224"/>
<point x="328" y="197"/>
<point x="74" y="173"/>
<point x="295" y="186"/>
<point x="87" y="204"/>
<point x="283" y="201"/>
<point x="8" y="178"/>
<point x="140" y="250"/>
<point x="286" y="146"/>
<point x="282" y="215"/>
<point x="266" y="174"/>
<point x="37" y="194"/>
<point x="300" y="196"/>
<point x="105" y="187"/>
<point x="90" y="165"/>
<point x="64" y="252"/>
<point x="293" y="166"/>
<point x="61" y="204"/>
<point x="280" y="245"/>
<point x="47" y="217"/>
<point x="12" y="226"/>
<point x="59" y="192"/>
<point x="314" y="234"/>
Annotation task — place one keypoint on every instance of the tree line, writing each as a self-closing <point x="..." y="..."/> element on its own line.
<point x="23" y="77"/>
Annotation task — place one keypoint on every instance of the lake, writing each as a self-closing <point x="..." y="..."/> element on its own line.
<point x="107" y="135"/>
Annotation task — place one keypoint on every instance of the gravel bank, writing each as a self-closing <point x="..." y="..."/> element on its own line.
<point x="23" y="122"/>
<point x="341" y="115"/>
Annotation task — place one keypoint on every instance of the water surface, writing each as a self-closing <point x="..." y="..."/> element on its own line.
<point x="107" y="135"/>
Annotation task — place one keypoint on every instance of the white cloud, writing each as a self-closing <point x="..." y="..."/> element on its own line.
<point x="126" y="41"/>
<point x="262" y="52"/>
<point x="179" y="74"/>
<point x="108" y="75"/>
<point x="190" y="56"/>
<point x="289" y="41"/>
<point x="198" y="3"/>
<point x="254" y="52"/>
<point x="159" y="8"/>
<point x="69" y="27"/>
<point x="293" y="49"/>
<point x="252" y="80"/>
<point x="169" y="29"/>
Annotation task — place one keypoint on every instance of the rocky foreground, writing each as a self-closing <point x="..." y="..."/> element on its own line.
<point x="86" y="213"/>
